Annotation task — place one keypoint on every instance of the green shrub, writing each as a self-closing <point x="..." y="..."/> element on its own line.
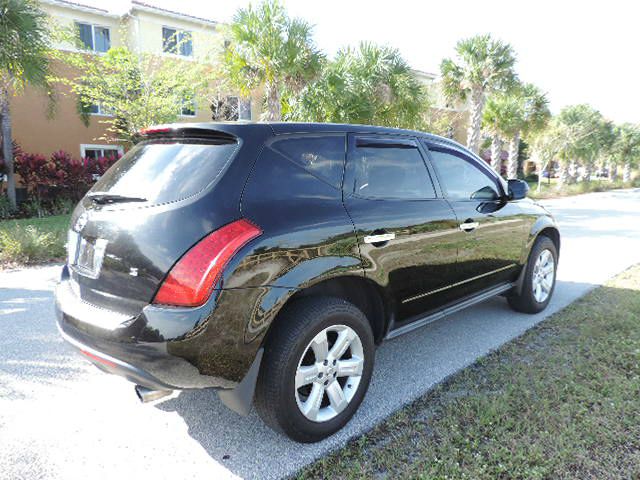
<point x="531" y="178"/>
<point x="21" y="245"/>
<point x="5" y="207"/>
<point x="32" y="208"/>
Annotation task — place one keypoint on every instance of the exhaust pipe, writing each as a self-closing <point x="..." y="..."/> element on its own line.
<point x="147" y="395"/>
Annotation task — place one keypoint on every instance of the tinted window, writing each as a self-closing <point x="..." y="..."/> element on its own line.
<point x="169" y="40"/>
<point x="178" y="42"/>
<point x="86" y="37"/>
<point x="103" y="40"/>
<point x="165" y="172"/>
<point x="322" y="156"/>
<point x="388" y="172"/>
<point x="461" y="177"/>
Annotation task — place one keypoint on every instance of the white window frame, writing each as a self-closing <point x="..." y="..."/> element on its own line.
<point x="93" y="34"/>
<point x="101" y="112"/>
<point x="87" y="146"/>
<point x="177" y="34"/>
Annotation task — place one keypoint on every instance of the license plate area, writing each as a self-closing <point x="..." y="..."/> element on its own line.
<point x="85" y="255"/>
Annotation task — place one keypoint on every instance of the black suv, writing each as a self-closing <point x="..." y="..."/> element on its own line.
<point x="269" y="260"/>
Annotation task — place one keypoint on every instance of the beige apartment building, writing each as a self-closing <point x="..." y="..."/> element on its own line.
<point x="143" y="28"/>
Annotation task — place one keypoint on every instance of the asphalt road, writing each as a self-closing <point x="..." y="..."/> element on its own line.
<point x="61" y="418"/>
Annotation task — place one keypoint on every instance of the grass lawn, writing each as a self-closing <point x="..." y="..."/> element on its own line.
<point x="550" y="189"/>
<point x="33" y="240"/>
<point x="562" y="401"/>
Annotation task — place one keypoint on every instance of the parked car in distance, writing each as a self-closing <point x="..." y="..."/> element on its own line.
<point x="268" y="260"/>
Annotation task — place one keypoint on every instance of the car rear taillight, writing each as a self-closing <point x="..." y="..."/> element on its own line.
<point x="191" y="280"/>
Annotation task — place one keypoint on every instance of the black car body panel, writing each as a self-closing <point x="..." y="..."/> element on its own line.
<point x="316" y="239"/>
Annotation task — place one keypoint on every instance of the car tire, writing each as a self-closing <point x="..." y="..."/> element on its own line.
<point x="294" y="373"/>
<point x="539" y="278"/>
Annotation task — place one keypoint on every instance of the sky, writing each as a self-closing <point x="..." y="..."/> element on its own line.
<point x="575" y="51"/>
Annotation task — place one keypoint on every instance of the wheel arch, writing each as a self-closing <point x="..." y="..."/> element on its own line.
<point x="554" y="234"/>
<point x="360" y="291"/>
<point x="544" y="225"/>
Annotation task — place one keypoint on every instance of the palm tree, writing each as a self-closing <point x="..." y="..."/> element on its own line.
<point x="627" y="148"/>
<point x="483" y="65"/>
<point x="607" y="138"/>
<point x="597" y="145"/>
<point x="24" y="46"/>
<point x="371" y="84"/>
<point x="500" y="114"/>
<point x="521" y="111"/>
<point x="583" y="126"/>
<point x="532" y="116"/>
<point x="546" y="145"/>
<point x="270" y="50"/>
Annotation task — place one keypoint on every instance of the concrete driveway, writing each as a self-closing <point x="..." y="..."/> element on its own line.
<point x="61" y="418"/>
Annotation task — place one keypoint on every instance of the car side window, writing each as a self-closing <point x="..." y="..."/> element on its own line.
<point x="322" y="156"/>
<point x="461" y="177"/>
<point x="391" y="171"/>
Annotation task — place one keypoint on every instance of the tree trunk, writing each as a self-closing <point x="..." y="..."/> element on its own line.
<point x="572" y="173"/>
<point x="586" y="172"/>
<point x="273" y="112"/>
<point x="7" y="146"/>
<point x="541" y="168"/>
<point x="626" y="172"/>
<point x="496" y="153"/>
<point x="512" y="163"/>
<point x="475" y="122"/>
<point x="563" y="175"/>
<point x="613" y="171"/>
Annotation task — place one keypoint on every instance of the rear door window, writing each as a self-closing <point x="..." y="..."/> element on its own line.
<point x="383" y="168"/>
<point x="322" y="156"/>
<point x="166" y="172"/>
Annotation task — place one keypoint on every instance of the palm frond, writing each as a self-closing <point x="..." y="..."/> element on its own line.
<point x="24" y="43"/>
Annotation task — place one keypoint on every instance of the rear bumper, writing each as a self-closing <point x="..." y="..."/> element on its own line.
<point x="136" y="348"/>
<point x="110" y="364"/>
<point x="165" y="348"/>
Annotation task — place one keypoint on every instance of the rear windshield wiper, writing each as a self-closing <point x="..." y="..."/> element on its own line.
<point x="104" y="197"/>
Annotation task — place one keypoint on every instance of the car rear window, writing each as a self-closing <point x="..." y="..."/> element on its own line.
<point x="166" y="172"/>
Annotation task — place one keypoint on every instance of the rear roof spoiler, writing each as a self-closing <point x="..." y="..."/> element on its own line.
<point x="187" y="133"/>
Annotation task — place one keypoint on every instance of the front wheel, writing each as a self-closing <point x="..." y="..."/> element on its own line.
<point x="539" y="278"/>
<point x="316" y="368"/>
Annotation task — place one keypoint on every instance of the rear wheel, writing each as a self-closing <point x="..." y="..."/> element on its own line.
<point x="540" y="278"/>
<point x="316" y="368"/>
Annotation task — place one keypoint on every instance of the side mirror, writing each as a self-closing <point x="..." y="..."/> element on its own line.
<point x="517" y="189"/>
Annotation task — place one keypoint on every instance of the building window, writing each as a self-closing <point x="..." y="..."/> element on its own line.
<point x="188" y="108"/>
<point x="96" y="109"/>
<point x="177" y="42"/>
<point x="244" y="112"/>
<point x="94" y="37"/>
<point x="97" y="151"/>
<point x="231" y="108"/>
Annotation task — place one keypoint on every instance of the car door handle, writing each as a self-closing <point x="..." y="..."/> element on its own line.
<point x="468" y="226"/>
<point x="380" y="238"/>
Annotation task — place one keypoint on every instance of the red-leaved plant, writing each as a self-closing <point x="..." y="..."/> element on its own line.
<point x="60" y="177"/>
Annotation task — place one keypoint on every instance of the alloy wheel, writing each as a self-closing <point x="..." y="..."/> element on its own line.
<point x="329" y="373"/>
<point x="543" y="276"/>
